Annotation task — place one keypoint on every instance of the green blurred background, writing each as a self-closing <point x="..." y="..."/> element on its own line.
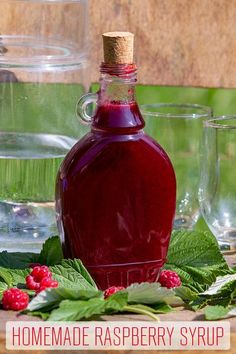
<point x="51" y="108"/>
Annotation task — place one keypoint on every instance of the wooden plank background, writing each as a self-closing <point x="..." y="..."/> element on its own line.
<point x="177" y="42"/>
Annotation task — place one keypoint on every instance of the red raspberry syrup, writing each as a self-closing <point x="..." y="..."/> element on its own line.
<point x="115" y="195"/>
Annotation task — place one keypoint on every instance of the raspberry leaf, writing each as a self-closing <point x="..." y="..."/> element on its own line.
<point x="185" y="293"/>
<point x="196" y="257"/>
<point x="222" y="284"/>
<point x="70" y="310"/>
<point x="151" y="293"/>
<point x="80" y="268"/>
<point x="76" y="310"/>
<point x="5" y="275"/>
<point x="158" y="308"/>
<point x="72" y="274"/>
<point x="219" y="312"/>
<point x="3" y="286"/>
<point x="51" y="298"/>
<point x="18" y="277"/>
<point x="51" y="252"/>
<point x="195" y="248"/>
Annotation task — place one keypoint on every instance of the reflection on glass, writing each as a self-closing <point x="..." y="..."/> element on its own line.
<point x="217" y="192"/>
<point x="178" y="129"/>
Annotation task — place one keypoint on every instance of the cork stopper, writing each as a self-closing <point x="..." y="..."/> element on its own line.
<point x="118" y="47"/>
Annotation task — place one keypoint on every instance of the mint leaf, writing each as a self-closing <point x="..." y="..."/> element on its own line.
<point x="151" y="293"/>
<point x="69" y="275"/>
<point x="51" y="298"/>
<point x="17" y="260"/>
<point x="51" y="252"/>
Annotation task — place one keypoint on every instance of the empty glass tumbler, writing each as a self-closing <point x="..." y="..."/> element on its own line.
<point x="178" y="129"/>
<point x="43" y="71"/>
<point x="217" y="192"/>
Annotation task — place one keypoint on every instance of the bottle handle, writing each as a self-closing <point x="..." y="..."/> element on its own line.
<point x="82" y="105"/>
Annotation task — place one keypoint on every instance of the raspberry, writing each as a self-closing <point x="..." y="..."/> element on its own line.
<point x="47" y="282"/>
<point x="40" y="272"/>
<point x="40" y="279"/>
<point x="15" y="299"/>
<point x="31" y="283"/>
<point x="112" y="290"/>
<point x="169" y="279"/>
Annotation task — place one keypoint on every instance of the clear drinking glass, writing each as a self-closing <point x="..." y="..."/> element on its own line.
<point x="178" y="129"/>
<point x="217" y="194"/>
<point x="43" y="71"/>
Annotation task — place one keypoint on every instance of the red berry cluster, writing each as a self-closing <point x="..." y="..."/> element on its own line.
<point x="40" y="279"/>
<point x="15" y="299"/>
<point x="112" y="290"/>
<point x="169" y="279"/>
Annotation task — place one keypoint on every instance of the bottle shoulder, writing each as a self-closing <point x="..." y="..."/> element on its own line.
<point x="104" y="149"/>
<point x="116" y="116"/>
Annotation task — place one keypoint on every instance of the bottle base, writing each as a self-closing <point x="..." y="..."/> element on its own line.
<point x="106" y="276"/>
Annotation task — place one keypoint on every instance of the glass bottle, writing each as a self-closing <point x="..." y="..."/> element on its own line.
<point x="116" y="188"/>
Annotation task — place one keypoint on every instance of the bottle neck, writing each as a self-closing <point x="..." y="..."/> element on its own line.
<point x="116" y="107"/>
<point x="117" y="83"/>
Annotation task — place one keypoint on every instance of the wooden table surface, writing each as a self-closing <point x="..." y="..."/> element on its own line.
<point x="180" y="314"/>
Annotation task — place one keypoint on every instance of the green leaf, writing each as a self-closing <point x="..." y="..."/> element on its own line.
<point x="151" y="293"/>
<point x="221" y="283"/>
<point x="18" y="277"/>
<point x="51" y="252"/>
<point x="116" y="302"/>
<point x="5" y="275"/>
<point x="51" y="298"/>
<point x="70" y="310"/>
<point x="43" y="315"/>
<point x="3" y="287"/>
<point x="219" y="293"/>
<point x="191" y="248"/>
<point x="215" y="312"/>
<point x="17" y="260"/>
<point x="78" y="265"/>
<point x="157" y="308"/>
<point x="196" y="257"/>
<point x="142" y="310"/>
<point x="198" y="303"/>
<point x="185" y="293"/>
<point x="69" y="275"/>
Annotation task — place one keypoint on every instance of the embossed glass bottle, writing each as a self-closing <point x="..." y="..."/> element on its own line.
<point x="116" y="188"/>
